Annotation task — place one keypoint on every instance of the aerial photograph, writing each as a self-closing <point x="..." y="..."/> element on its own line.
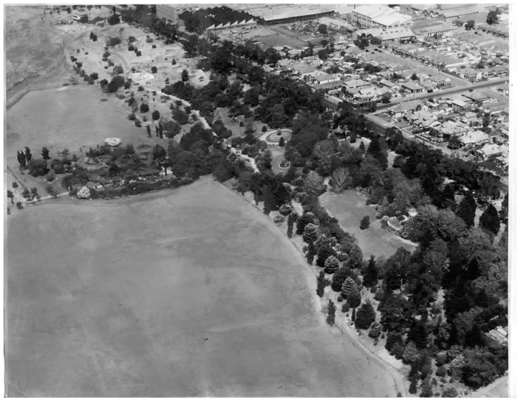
<point x="256" y="200"/>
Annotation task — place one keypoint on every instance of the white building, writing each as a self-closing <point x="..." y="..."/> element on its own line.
<point x="379" y="16"/>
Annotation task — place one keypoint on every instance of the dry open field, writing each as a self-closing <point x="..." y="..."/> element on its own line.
<point x="188" y="293"/>
<point x="349" y="208"/>
<point x="33" y="53"/>
<point x="68" y="117"/>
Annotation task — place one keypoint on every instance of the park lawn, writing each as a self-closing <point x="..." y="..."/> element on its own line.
<point x="349" y="208"/>
<point x="188" y="292"/>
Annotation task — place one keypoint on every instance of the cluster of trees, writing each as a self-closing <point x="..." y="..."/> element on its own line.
<point x="271" y="99"/>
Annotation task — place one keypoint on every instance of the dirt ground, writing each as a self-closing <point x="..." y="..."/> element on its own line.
<point x="349" y="208"/>
<point x="191" y="293"/>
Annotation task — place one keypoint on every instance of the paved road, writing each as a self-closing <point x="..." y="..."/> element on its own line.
<point x="445" y="92"/>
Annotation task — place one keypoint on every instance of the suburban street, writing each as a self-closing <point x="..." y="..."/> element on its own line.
<point x="451" y="91"/>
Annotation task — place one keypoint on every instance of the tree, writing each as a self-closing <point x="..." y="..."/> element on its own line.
<point x="492" y="17"/>
<point x="158" y="152"/>
<point x="426" y="388"/>
<point x="144" y="108"/>
<point x="34" y="192"/>
<point x="331" y="264"/>
<point x="10" y="195"/>
<point x="350" y="292"/>
<point x="365" y="316"/>
<point x="340" y="179"/>
<point x="320" y="290"/>
<point x="290" y="225"/>
<point x="386" y="97"/>
<point x="310" y="233"/>
<point x="116" y="83"/>
<point x="313" y="183"/>
<point x="28" y="155"/>
<point x="174" y="61"/>
<point x="185" y="76"/>
<point x="410" y="353"/>
<point x="466" y="210"/>
<point x="331" y="313"/>
<point x="305" y="219"/>
<point x="365" y="223"/>
<point x="281" y="143"/>
<point x="370" y="277"/>
<point x="322" y="28"/>
<point x="114" y="19"/>
<point x="339" y="278"/>
<point x="356" y="257"/>
<point x="45" y="153"/>
<point x="470" y="25"/>
<point x="38" y="167"/>
<point x="489" y="220"/>
<point x="323" y="254"/>
<point x="450" y="392"/>
<point x="156" y="115"/>
<point x="323" y="54"/>
<point x="375" y="330"/>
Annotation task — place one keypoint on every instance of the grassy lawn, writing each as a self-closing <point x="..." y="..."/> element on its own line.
<point x="189" y="293"/>
<point x="279" y="39"/>
<point x="349" y="208"/>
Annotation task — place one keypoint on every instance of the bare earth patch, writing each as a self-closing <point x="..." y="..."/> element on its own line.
<point x="187" y="293"/>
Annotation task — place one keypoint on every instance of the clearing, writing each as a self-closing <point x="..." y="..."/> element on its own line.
<point x="349" y="208"/>
<point x="190" y="293"/>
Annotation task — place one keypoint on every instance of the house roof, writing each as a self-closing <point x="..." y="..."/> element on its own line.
<point x="473" y="137"/>
<point x="491" y="149"/>
<point x="388" y="83"/>
<point x="411" y="85"/>
<point x="355" y="83"/>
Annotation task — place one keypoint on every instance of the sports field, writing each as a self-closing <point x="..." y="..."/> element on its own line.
<point x="188" y="293"/>
<point x="349" y="208"/>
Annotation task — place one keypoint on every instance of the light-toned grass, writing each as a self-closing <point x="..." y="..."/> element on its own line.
<point x="190" y="293"/>
<point x="349" y="208"/>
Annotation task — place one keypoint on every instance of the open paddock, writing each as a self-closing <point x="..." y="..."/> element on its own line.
<point x="68" y="117"/>
<point x="190" y="293"/>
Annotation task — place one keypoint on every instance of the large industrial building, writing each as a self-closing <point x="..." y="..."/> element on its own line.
<point x="271" y="14"/>
<point x="168" y="12"/>
<point x="378" y="16"/>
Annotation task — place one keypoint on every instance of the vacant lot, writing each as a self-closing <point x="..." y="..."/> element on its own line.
<point x="190" y="293"/>
<point x="349" y="208"/>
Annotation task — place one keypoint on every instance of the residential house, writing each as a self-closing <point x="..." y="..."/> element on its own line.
<point x="474" y="138"/>
<point x="491" y="150"/>
<point x="412" y="87"/>
<point x="499" y="334"/>
<point x="471" y="75"/>
<point x="459" y="104"/>
<point x="422" y="119"/>
<point x="355" y="83"/>
<point x="384" y="83"/>
<point x="284" y="63"/>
